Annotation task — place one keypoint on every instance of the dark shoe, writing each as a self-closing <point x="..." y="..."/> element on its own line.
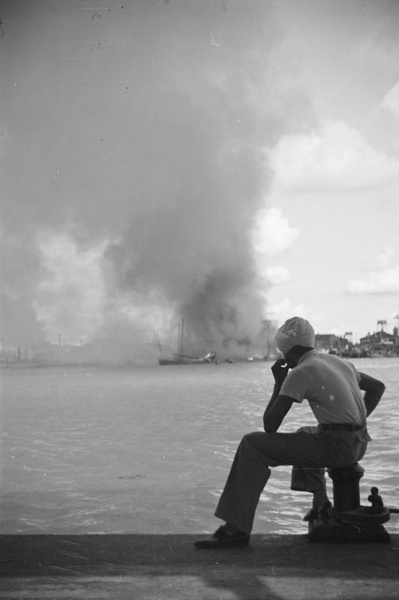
<point x="323" y="512"/>
<point x="223" y="538"/>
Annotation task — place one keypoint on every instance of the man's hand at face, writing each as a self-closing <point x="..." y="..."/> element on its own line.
<point x="280" y="370"/>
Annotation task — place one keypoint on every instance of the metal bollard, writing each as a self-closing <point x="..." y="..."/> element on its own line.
<point x="350" y="521"/>
<point x="346" y="491"/>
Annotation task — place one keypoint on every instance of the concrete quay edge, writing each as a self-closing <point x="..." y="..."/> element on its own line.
<point x="163" y="567"/>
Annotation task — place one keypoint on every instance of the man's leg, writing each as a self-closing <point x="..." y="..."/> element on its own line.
<point x="250" y="471"/>
<point x="313" y="480"/>
<point x="344" y="450"/>
<point x="237" y="505"/>
<point x="247" y="478"/>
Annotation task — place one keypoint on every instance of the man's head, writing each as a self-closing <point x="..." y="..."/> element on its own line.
<point x="295" y="337"/>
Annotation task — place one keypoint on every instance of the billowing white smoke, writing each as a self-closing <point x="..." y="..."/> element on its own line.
<point x="148" y="170"/>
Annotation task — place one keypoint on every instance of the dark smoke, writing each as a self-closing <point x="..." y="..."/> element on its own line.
<point x="142" y="128"/>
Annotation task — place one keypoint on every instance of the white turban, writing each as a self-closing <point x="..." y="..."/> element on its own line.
<point x="295" y="332"/>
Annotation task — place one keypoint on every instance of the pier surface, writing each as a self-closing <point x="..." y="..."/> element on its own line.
<point x="168" y="567"/>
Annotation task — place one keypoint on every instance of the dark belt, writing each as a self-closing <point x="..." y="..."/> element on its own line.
<point x="340" y="427"/>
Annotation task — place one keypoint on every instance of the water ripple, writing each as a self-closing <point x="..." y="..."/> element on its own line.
<point x="148" y="450"/>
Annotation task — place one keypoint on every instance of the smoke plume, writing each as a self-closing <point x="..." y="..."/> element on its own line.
<point x="135" y="170"/>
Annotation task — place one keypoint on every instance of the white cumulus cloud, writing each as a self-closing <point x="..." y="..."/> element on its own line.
<point x="383" y="278"/>
<point x="276" y="274"/>
<point x="285" y="309"/>
<point x="273" y="233"/>
<point x="271" y="236"/>
<point x="390" y="101"/>
<point x="377" y="282"/>
<point x="337" y="157"/>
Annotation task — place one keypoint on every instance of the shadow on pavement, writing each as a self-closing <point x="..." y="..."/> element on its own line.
<point x="245" y="573"/>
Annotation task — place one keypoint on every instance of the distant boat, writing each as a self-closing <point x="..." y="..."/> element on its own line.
<point x="183" y="359"/>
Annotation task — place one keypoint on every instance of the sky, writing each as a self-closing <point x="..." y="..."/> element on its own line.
<point x="225" y="162"/>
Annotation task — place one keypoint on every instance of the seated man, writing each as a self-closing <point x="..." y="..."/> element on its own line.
<point x="333" y="388"/>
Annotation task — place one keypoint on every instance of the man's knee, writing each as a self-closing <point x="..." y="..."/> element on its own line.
<point x="307" y="429"/>
<point x="300" y="429"/>
<point x="256" y="444"/>
<point x="253" y="438"/>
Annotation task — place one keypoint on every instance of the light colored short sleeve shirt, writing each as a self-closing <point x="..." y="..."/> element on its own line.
<point x="330" y="385"/>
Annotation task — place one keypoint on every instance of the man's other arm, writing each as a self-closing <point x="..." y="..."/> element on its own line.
<point x="275" y="412"/>
<point x="278" y="405"/>
<point x="373" y="388"/>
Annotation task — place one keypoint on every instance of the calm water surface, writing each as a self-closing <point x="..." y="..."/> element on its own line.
<point x="147" y="450"/>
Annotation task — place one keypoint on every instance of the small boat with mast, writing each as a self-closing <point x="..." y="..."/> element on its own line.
<point x="180" y="358"/>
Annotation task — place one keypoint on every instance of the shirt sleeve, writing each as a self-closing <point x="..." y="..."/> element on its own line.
<point x="356" y="372"/>
<point x="295" y="386"/>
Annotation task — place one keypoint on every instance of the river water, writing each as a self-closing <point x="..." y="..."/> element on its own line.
<point x="147" y="450"/>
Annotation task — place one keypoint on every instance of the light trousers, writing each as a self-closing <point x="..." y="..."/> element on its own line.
<point x="309" y="451"/>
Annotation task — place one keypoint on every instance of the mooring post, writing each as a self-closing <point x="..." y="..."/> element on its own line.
<point x="351" y="522"/>
<point x="346" y="492"/>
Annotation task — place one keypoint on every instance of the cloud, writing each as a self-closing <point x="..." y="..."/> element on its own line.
<point x="272" y="233"/>
<point x="377" y="282"/>
<point x="390" y="101"/>
<point x="383" y="278"/>
<point x="271" y="236"/>
<point x="336" y="158"/>
<point x="276" y="274"/>
<point x="284" y="309"/>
